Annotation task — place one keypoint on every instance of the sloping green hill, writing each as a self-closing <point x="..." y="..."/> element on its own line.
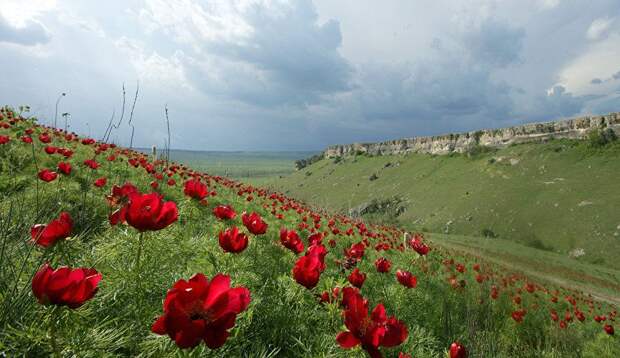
<point x="561" y="196"/>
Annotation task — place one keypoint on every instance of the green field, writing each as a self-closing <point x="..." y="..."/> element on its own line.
<point x="295" y="304"/>
<point x="558" y="196"/>
<point x="251" y="166"/>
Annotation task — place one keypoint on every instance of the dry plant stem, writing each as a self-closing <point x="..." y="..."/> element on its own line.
<point x="36" y="166"/>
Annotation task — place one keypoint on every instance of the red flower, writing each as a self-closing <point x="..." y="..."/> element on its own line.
<point x="357" y="278"/>
<point x="26" y="139"/>
<point x="383" y="265"/>
<point x="518" y="315"/>
<point x="406" y="279"/>
<point x="149" y="212"/>
<point x="46" y="235"/>
<point x="457" y="350"/>
<point x="45" y="138"/>
<point x="370" y="331"/>
<point x="64" y="168"/>
<point x="194" y="188"/>
<point x="309" y="267"/>
<point x="65" y="286"/>
<point x="47" y="175"/>
<point x="50" y="149"/>
<point x="101" y="182"/>
<point x="233" y="241"/>
<point x="224" y="212"/>
<point x="356" y="251"/>
<point x="609" y="329"/>
<point x="91" y="163"/>
<point x="198" y="310"/>
<point x="419" y="247"/>
<point x="254" y="223"/>
<point x="171" y="182"/>
<point x="290" y="239"/>
<point x="4" y="139"/>
<point x="404" y="355"/>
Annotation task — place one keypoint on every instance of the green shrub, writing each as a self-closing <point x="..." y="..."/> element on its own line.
<point x="488" y="233"/>
<point x="601" y="137"/>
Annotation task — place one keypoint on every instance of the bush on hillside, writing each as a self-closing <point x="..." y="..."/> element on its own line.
<point x="601" y="137"/>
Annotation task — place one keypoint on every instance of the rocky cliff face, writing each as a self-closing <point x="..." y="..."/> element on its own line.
<point x="576" y="128"/>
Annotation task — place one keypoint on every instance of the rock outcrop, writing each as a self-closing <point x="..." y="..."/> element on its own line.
<point x="575" y="128"/>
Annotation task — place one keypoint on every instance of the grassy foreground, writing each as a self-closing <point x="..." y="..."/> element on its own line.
<point x="490" y="310"/>
<point x="560" y="196"/>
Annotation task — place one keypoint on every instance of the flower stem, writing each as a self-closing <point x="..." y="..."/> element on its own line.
<point x="53" y="332"/>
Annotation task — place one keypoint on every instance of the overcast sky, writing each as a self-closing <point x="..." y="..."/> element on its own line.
<point x="301" y="74"/>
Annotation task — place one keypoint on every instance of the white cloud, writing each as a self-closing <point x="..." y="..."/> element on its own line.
<point x="192" y="23"/>
<point x="153" y="68"/>
<point x="599" y="28"/>
<point x="599" y="61"/>
<point x="20" y="12"/>
<point x="549" y="4"/>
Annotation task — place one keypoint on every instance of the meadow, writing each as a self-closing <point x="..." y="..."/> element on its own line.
<point x="250" y="166"/>
<point x="560" y="196"/>
<point x="108" y="252"/>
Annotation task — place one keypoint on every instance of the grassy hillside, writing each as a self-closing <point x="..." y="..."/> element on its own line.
<point x="254" y="167"/>
<point x="558" y="196"/>
<point x="287" y="301"/>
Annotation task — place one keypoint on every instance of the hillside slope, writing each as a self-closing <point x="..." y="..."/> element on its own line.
<point x="107" y="252"/>
<point x="560" y="196"/>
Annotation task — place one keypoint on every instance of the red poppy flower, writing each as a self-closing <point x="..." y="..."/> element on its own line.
<point x="171" y="182"/>
<point x="149" y="212"/>
<point x="406" y="279"/>
<point x="198" y="310"/>
<point x="45" y="138"/>
<point x="371" y="331"/>
<point x="290" y="239"/>
<point x="47" y="175"/>
<point x="26" y="139"/>
<point x="419" y="247"/>
<point x="457" y="350"/>
<point x="91" y="163"/>
<point x="316" y="238"/>
<point x="64" y="286"/>
<point x="47" y="235"/>
<point x="356" y="251"/>
<point x="309" y="267"/>
<point x="609" y="329"/>
<point x="233" y="241"/>
<point x="101" y="182"/>
<point x="194" y="188"/>
<point x="64" y="168"/>
<point x="383" y="265"/>
<point x="518" y="315"/>
<point x="4" y="139"/>
<point x="254" y="223"/>
<point x="224" y="212"/>
<point x="357" y="278"/>
<point x="50" y="149"/>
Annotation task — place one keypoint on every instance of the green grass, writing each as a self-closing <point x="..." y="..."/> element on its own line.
<point x="283" y="319"/>
<point x="253" y="167"/>
<point x="558" y="196"/>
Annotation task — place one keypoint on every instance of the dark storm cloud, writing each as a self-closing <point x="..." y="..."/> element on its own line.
<point x="495" y="43"/>
<point x="32" y="33"/>
<point x="289" y="59"/>
<point x="283" y="75"/>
